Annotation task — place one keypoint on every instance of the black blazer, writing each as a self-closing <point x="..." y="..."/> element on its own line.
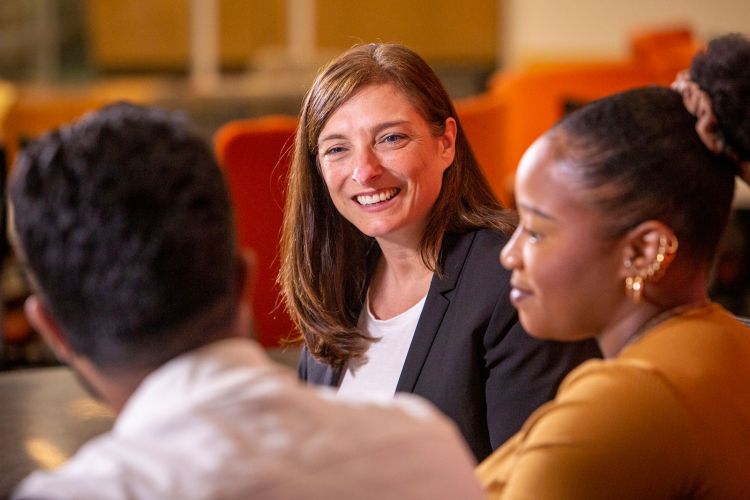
<point x="469" y="355"/>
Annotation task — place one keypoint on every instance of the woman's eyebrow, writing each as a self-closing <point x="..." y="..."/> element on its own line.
<point x="382" y="126"/>
<point x="330" y="137"/>
<point x="536" y="211"/>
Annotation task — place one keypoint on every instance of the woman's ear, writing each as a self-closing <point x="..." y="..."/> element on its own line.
<point x="45" y="324"/>
<point x="648" y="251"/>
<point x="448" y="142"/>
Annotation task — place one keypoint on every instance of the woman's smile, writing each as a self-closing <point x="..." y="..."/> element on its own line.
<point x="377" y="197"/>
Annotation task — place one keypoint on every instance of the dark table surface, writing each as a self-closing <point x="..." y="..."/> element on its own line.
<point x="45" y="416"/>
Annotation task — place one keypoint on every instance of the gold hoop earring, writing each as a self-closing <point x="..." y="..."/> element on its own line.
<point x="634" y="288"/>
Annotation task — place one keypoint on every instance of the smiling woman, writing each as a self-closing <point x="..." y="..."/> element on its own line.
<point x="389" y="253"/>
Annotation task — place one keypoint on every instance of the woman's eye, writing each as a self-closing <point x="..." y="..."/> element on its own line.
<point x="334" y="150"/>
<point x="393" y="139"/>
<point x="533" y="235"/>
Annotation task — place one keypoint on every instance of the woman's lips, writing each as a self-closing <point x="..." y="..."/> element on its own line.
<point x="517" y="295"/>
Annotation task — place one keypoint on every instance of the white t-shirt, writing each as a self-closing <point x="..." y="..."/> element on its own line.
<point x="223" y="422"/>
<point x="378" y="373"/>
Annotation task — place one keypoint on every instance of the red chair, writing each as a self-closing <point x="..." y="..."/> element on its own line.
<point x="255" y="155"/>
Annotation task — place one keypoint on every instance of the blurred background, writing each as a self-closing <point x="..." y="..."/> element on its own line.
<point x="512" y="66"/>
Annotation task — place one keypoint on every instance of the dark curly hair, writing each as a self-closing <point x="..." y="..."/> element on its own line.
<point x="639" y="158"/>
<point x="124" y="223"/>
<point x="723" y="71"/>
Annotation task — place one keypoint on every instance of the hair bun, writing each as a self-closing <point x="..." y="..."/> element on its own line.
<point x="716" y="91"/>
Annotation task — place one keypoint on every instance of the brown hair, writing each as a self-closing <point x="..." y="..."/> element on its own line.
<point x="325" y="260"/>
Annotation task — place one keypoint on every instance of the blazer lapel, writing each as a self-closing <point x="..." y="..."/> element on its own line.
<point x="455" y="249"/>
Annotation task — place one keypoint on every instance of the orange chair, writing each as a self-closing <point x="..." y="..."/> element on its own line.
<point x="482" y="120"/>
<point x="39" y="108"/>
<point x="29" y="118"/>
<point x="520" y="105"/>
<point x="255" y="155"/>
<point x="665" y="52"/>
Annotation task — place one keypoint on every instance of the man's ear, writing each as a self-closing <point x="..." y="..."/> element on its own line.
<point x="649" y="249"/>
<point x="244" y="284"/>
<point x="245" y="274"/>
<point x="43" y="322"/>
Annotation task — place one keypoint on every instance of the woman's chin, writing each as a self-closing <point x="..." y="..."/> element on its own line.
<point x="538" y="330"/>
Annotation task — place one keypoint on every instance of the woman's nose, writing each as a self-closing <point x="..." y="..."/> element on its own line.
<point x="367" y="167"/>
<point x="509" y="257"/>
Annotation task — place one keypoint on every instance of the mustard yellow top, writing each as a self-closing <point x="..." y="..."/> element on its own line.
<point x="668" y="418"/>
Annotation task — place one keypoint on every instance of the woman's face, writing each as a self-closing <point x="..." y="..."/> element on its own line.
<point x="382" y="164"/>
<point x="566" y="280"/>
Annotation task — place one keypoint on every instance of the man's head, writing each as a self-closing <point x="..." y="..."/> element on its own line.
<point x="124" y="223"/>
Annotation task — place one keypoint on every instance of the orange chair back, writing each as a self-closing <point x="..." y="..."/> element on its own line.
<point x="482" y="120"/>
<point x="521" y="105"/>
<point x="37" y="109"/>
<point x="27" y="120"/>
<point x="255" y="155"/>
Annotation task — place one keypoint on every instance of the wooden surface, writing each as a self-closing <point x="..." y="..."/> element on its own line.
<point x="45" y="416"/>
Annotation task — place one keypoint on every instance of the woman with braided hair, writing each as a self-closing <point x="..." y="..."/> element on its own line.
<point x="622" y="206"/>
